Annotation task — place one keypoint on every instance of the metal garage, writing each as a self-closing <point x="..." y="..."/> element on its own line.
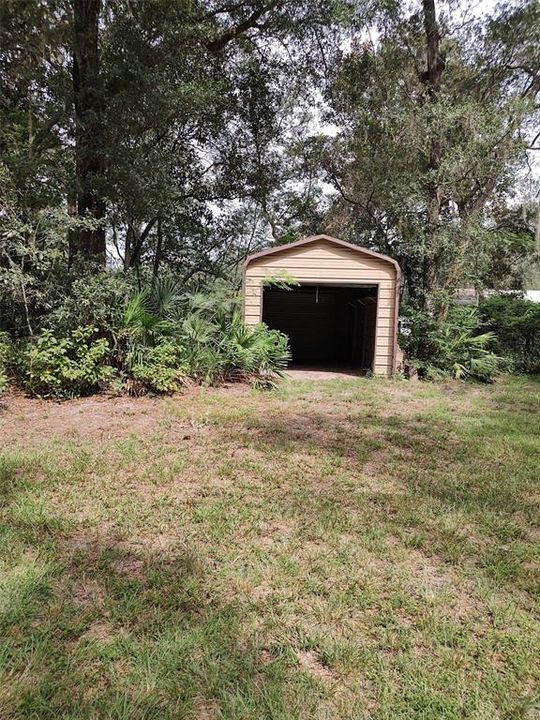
<point x="343" y="309"/>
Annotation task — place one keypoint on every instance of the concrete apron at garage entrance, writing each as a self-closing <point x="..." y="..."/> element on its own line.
<point x="308" y="372"/>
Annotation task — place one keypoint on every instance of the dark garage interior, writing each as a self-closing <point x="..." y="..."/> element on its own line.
<point x="326" y="325"/>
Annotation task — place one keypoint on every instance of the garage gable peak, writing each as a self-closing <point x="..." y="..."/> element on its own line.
<point x="317" y="238"/>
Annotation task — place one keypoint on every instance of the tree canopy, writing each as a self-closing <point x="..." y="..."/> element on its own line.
<point x="436" y="115"/>
<point x="177" y="135"/>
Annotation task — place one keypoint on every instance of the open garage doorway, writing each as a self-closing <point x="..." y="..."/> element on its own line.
<point x="328" y="326"/>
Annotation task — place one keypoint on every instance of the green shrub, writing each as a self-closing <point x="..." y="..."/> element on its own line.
<point x="515" y="323"/>
<point x="65" y="367"/>
<point x="209" y="353"/>
<point x="228" y="350"/>
<point x="158" y="339"/>
<point x="5" y="348"/>
<point x="161" y="368"/>
<point x="153" y="312"/>
<point x="451" y="347"/>
<point x="96" y="301"/>
<point x="203" y="346"/>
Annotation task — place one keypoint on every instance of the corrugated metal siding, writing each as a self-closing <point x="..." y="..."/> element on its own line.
<point x="326" y="263"/>
<point x="367" y="320"/>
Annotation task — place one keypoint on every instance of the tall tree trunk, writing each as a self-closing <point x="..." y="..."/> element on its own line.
<point x="89" y="130"/>
<point x="159" y="248"/>
<point x="128" y="245"/>
<point x="137" y="239"/>
<point x="432" y="81"/>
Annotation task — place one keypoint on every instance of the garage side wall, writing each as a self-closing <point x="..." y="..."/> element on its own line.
<point x="323" y="262"/>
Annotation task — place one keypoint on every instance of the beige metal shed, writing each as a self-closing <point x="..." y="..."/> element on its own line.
<point x="342" y="311"/>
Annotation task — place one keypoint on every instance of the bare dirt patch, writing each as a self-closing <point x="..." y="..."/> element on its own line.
<point x="310" y="661"/>
<point x="23" y="419"/>
<point x="99" y="631"/>
<point x="129" y="565"/>
<point x="91" y="540"/>
<point x="377" y="479"/>
<point x="275" y="531"/>
<point x="94" y="541"/>
<point x="433" y="579"/>
<point x="322" y="373"/>
<point x="205" y="709"/>
<point x="89" y="592"/>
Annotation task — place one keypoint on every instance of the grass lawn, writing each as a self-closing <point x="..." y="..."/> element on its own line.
<point x="350" y="549"/>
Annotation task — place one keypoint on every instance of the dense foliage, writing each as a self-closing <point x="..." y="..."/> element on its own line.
<point x="65" y="367"/>
<point x="158" y="129"/>
<point x="516" y="325"/>
<point x="4" y="354"/>
<point x="502" y="334"/>
<point x="453" y="346"/>
<point x="435" y="112"/>
<point x="157" y="339"/>
<point x="172" y="338"/>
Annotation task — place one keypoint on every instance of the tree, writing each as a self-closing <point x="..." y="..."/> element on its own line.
<point x="168" y="104"/>
<point x="88" y="101"/>
<point x="201" y="101"/>
<point x="34" y="165"/>
<point x="158" y="133"/>
<point x="435" y="113"/>
<point x="507" y="256"/>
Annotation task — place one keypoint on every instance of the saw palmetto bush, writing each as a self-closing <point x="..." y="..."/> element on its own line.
<point x="465" y="354"/>
<point x="454" y="346"/>
<point x="169" y="338"/>
<point x="152" y="313"/>
<point x="256" y="353"/>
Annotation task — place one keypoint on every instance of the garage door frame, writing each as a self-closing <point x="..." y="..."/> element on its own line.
<point x="371" y="285"/>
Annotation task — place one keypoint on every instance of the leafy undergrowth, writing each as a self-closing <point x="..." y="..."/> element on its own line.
<point x="348" y="549"/>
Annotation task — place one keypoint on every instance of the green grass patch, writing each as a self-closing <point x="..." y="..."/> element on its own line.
<point x="347" y="549"/>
